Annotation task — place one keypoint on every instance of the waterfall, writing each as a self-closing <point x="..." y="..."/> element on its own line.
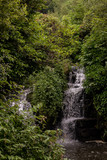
<point x="73" y="102"/>
<point x="22" y="101"/>
<point x="76" y="125"/>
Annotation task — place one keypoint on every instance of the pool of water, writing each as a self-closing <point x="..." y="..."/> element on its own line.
<point x="75" y="150"/>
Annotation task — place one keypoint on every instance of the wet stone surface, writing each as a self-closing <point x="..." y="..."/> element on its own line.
<point x="85" y="151"/>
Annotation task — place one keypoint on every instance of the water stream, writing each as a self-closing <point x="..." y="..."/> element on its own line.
<point x="73" y="112"/>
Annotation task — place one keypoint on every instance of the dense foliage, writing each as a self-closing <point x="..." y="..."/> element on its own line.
<point x="38" y="41"/>
<point x="22" y="44"/>
<point x="28" y="43"/>
<point x="94" y="58"/>
<point x="48" y="94"/>
<point x="90" y="18"/>
<point x="21" y="139"/>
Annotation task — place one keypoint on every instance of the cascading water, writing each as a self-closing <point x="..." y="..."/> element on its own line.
<point x="22" y="102"/>
<point x="73" y="102"/>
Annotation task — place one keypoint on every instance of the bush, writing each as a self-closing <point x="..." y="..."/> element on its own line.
<point x="21" y="139"/>
<point x="48" y="92"/>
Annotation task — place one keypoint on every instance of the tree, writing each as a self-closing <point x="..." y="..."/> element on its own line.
<point x="12" y="15"/>
<point x="94" y="58"/>
<point x="34" y="6"/>
<point x="18" y="38"/>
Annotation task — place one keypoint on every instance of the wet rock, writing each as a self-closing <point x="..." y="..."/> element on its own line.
<point x="85" y="129"/>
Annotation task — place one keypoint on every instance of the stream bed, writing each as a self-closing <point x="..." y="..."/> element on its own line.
<point x="76" y="150"/>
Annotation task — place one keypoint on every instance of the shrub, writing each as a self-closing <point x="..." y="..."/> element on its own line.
<point x="21" y="139"/>
<point x="48" y="91"/>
